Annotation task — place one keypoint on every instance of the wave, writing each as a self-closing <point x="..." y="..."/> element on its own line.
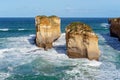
<point x="20" y="29"/>
<point x="4" y="29"/>
<point x="104" y="25"/>
<point x="20" y="56"/>
<point x="3" y="75"/>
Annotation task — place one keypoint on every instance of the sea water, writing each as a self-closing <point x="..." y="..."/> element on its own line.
<point x="20" y="59"/>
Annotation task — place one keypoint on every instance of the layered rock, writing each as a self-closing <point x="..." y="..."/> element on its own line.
<point x="115" y="27"/>
<point x="81" y="41"/>
<point x="47" y="30"/>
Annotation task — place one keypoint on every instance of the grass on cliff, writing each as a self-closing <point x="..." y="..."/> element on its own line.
<point x="53" y="16"/>
<point x="77" y="26"/>
<point x="43" y="16"/>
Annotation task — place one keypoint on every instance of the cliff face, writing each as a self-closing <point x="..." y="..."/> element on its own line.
<point x="115" y="27"/>
<point x="81" y="42"/>
<point x="47" y="30"/>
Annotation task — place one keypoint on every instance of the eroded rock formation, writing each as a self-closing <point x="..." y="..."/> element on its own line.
<point x="47" y="30"/>
<point x="115" y="27"/>
<point x="81" y="41"/>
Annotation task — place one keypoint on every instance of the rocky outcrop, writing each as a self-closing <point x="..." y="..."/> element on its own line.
<point x="115" y="27"/>
<point x="47" y="30"/>
<point x="81" y="41"/>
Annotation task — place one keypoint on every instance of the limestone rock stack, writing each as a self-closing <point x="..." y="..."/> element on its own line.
<point x="115" y="27"/>
<point x="81" y="41"/>
<point x="47" y="30"/>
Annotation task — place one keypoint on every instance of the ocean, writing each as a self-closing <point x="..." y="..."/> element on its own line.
<point x="20" y="59"/>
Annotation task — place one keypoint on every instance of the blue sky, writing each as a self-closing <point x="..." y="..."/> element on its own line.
<point x="62" y="8"/>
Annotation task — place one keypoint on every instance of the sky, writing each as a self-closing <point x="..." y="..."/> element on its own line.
<point x="62" y="8"/>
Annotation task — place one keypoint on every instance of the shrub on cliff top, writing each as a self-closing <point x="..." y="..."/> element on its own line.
<point x="53" y="16"/>
<point x="77" y="26"/>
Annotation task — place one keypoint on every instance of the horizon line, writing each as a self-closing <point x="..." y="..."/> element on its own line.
<point x="58" y="16"/>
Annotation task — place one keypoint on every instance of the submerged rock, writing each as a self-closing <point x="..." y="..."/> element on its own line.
<point x="115" y="27"/>
<point x="81" y="41"/>
<point x="47" y="30"/>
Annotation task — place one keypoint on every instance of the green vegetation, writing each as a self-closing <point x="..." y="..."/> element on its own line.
<point x="53" y="16"/>
<point x="78" y="26"/>
<point x="43" y="16"/>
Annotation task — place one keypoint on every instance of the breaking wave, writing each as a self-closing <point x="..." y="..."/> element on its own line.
<point x="106" y="25"/>
<point x="20" y="29"/>
<point x="5" y="29"/>
<point x="21" y="56"/>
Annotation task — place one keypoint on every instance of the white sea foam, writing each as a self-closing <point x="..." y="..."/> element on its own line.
<point x="4" y="29"/>
<point x="3" y="76"/>
<point x="32" y="35"/>
<point x="21" y="51"/>
<point x="106" y="25"/>
<point x="93" y="63"/>
<point x="21" y="29"/>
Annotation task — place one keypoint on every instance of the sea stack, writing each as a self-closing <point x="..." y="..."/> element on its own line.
<point x="81" y="41"/>
<point x="115" y="27"/>
<point x="47" y="30"/>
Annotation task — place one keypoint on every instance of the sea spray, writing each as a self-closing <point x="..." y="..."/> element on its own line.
<point x="20" y="59"/>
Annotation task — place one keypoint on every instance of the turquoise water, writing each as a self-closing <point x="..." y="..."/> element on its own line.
<point x="20" y="59"/>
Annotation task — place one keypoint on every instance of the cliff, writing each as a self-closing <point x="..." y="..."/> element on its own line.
<point x="81" y="41"/>
<point x="115" y="27"/>
<point x="47" y="30"/>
